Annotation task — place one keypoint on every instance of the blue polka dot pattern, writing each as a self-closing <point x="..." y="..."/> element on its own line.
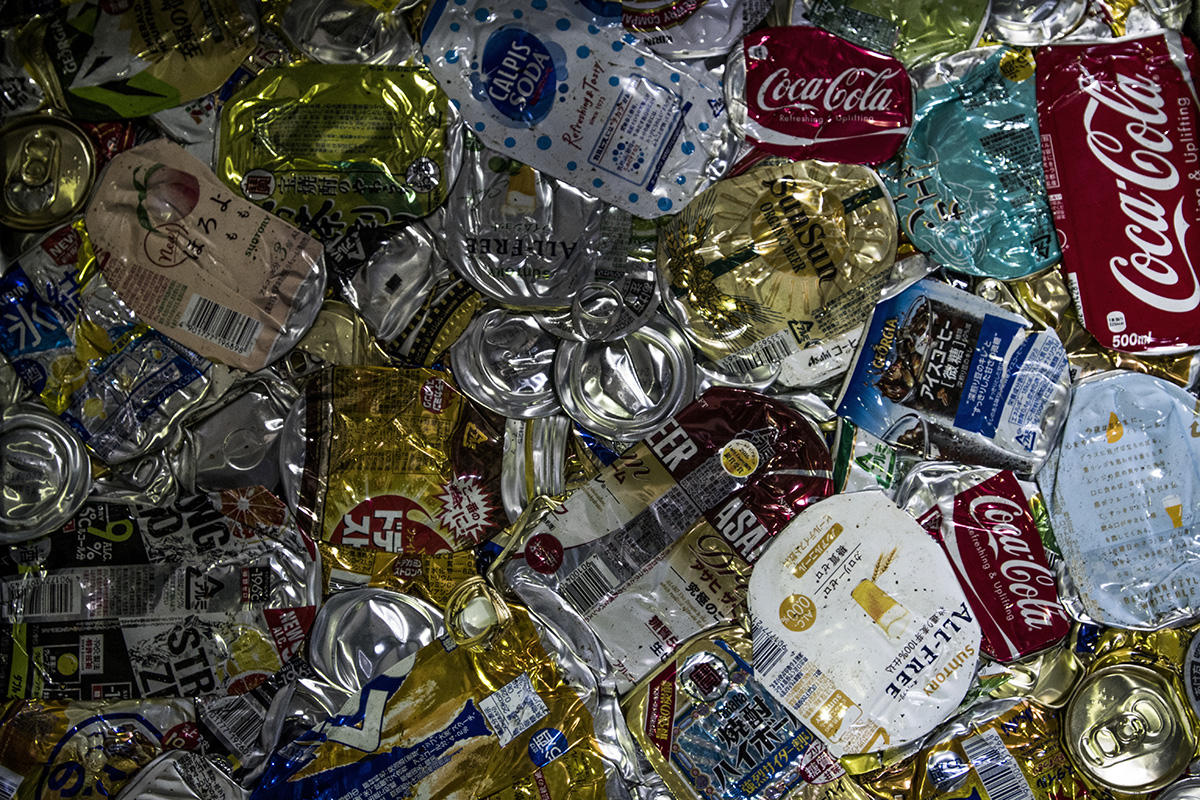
<point x="510" y="141"/>
<point x="582" y="52"/>
<point x="688" y="148"/>
<point x="563" y="24"/>
<point x="665" y="203"/>
<point x="571" y="165"/>
<point x="597" y="183"/>
<point x="633" y="197"/>
<point x="614" y="81"/>
<point x="544" y="143"/>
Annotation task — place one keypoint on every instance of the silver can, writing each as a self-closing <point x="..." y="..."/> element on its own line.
<point x="46" y="473"/>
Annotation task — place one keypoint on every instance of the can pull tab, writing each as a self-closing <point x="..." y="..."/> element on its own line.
<point x="596" y="310"/>
<point x="1128" y="734"/>
<point x="35" y="187"/>
<point x="475" y="612"/>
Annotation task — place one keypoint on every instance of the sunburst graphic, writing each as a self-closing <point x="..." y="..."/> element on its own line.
<point x="466" y="511"/>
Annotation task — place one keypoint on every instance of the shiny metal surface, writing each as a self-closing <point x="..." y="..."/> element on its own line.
<point x="503" y="361"/>
<point x="45" y="473"/>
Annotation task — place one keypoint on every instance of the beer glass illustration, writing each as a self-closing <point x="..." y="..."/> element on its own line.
<point x="880" y="606"/>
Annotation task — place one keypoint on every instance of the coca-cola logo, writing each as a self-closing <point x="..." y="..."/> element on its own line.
<point x="1027" y="576"/>
<point x="1129" y="132"/>
<point x="853" y="91"/>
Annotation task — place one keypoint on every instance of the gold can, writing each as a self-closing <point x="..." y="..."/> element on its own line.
<point x="49" y="166"/>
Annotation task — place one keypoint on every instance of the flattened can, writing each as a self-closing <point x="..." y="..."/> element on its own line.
<point x="182" y="775"/>
<point x="47" y="167"/>
<point x="713" y="732"/>
<point x="983" y="520"/>
<point x="504" y="361"/>
<point x="588" y="105"/>
<point x="333" y="148"/>
<point x="1118" y="123"/>
<point x="658" y="546"/>
<point x="360" y="634"/>
<point x="802" y="92"/>
<point x="46" y="473"/>
<point x="763" y="263"/>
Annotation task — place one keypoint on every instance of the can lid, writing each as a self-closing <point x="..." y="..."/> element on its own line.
<point x="1185" y="789"/>
<point x="626" y="389"/>
<point x="503" y="362"/>
<point x="363" y="632"/>
<point x="1126" y="728"/>
<point x="46" y="473"/>
<point x="49" y="166"/>
<point x="1029" y="23"/>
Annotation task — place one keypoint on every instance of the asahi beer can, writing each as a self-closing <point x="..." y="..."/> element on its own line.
<point x="46" y="473"/>
<point x="47" y="167"/>
<point x="658" y="546"/>
<point x="360" y="634"/>
<point x="1126" y="729"/>
<point x="1118" y="123"/>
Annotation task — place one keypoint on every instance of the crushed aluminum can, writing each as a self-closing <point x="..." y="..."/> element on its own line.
<point x="1126" y="729"/>
<point x="200" y="264"/>
<point x="504" y="361"/>
<point x="802" y="92"/>
<point x="45" y="472"/>
<point x="587" y="104"/>
<point x="915" y="34"/>
<point x="234" y="442"/>
<point x="857" y="570"/>
<point x="712" y="731"/>
<point x="360" y="634"/>
<point x="952" y="376"/>
<point x="1121" y="490"/>
<point x="625" y="389"/>
<point x="334" y="148"/>
<point x="386" y="273"/>
<point x="690" y="30"/>
<point x="763" y="264"/>
<point x="1030" y="24"/>
<point x="460" y="722"/>
<point x="969" y="186"/>
<point x="56" y="749"/>
<point x="100" y="60"/>
<point x="1119" y="124"/>
<point x="119" y="385"/>
<point x="1016" y="754"/>
<point x="665" y="535"/>
<point x="863" y="461"/>
<point x="47" y="167"/>
<point x="182" y="775"/>
<point x="346" y="32"/>
<point x="392" y="459"/>
<point x="983" y="520"/>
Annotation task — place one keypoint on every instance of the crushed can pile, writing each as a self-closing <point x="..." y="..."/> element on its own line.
<point x="594" y="400"/>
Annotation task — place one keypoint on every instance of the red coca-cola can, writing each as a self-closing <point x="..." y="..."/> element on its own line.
<point x="983" y="519"/>
<point x="802" y="92"/>
<point x="1118" y="126"/>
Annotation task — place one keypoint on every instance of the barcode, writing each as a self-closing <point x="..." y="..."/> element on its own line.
<point x="9" y="783"/>
<point x="588" y="585"/>
<point x="224" y="326"/>
<point x="997" y="770"/>
<point x="771" y="350"/>
<point x="238" y="721"/>
<point x="31" y="597"/>
<point x="768" y="648"/>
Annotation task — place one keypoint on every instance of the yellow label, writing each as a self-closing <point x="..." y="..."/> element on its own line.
<point x="1115" y="429"/>
<point x="67" y="664"/>
<point x="739" y="458"/>
<point x="1017" y="65"/>
<point x="797" y="612"/>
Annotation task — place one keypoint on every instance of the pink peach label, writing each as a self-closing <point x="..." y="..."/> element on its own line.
<point x="207" y="268"/>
